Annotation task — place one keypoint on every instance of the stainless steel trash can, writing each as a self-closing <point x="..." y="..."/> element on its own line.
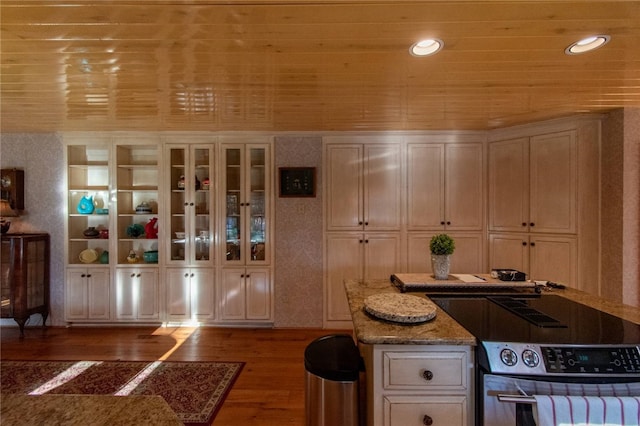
<point x="332" y="365"/>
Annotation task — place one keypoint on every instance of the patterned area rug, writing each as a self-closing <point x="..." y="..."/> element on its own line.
<point x="194" y="390"/>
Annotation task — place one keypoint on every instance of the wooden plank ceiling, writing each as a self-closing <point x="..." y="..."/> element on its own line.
<point x="309" y="65"/>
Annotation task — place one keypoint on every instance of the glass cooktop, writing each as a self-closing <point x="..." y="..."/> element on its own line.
<point x="544" y="319"/>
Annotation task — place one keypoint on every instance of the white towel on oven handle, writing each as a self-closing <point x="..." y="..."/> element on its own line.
<point x="561" y="410"/>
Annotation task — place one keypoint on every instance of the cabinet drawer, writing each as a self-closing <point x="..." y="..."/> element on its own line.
<point x="425" y="370"/>
<point x="425" y="410"/>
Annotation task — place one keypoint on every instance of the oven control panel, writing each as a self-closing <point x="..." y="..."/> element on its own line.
<point x="592" y="360"/>
<point x="531" y="359"/>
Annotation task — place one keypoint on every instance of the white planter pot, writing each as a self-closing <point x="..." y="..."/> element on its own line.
<point x="441" y="265"/>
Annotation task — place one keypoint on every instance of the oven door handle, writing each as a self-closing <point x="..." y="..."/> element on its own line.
<point x="516" y="399"/>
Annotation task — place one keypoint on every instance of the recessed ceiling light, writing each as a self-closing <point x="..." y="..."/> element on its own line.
<point x="587" y="44"/>
<point x="426" y="47"/>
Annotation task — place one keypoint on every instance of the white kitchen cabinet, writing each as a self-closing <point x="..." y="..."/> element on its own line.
<point x="246" y="283"/>
<point x="533" y="184"/>
<point x="246" y="294"/>
<point x="466" y="259"/>
<point x="87" y="295"/>
<point x="541" y="257"/>
<point x="137" y="183"/>
<point x="363" y="186"/>
<point x="412" y="410"/>
<point x="374" y="255"/>
<point x="247" y="208"/>
<point x="190" y="294"/>
<point x="544" y="201"/>
<point x="88" y="181"/>
<point x="445" y="186"/>
<point x="137" y="294"/>
<point x="190" y="190"/>
<point x="417" y="385"/>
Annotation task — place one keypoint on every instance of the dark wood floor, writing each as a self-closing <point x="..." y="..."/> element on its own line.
<point x="269" y="391"/>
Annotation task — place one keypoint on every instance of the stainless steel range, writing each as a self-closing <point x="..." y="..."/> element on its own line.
<point x="541" y="345"/>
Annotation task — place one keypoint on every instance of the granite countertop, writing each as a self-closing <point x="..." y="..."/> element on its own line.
<point x="18" y="410"/>
<point x="626" y="312"/>
<point x="442" y="330"/>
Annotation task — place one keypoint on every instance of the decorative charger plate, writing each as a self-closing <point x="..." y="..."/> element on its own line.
<point x="88" y="256"/>
<point x="403" y="308"/>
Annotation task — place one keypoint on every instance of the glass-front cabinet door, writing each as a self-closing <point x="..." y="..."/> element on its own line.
<point x="247" y="189"/>
<point x="191" y="208"/>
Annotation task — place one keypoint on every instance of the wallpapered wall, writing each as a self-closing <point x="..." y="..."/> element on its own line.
<point x="298" y="272"/>
<point x="620" y="189"/>
<point x="42" y="157"/>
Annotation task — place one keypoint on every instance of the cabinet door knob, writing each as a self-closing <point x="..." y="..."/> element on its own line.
<point x="248" y="275"/>
<point x="241" y="275"/>
<point x="532" y="224"/>
<point x="427" y="374"/>
<point x="366" y="241"/>
<point x="82" y="275"/>
<point x="186" y="204"/>
<point x="186" y="275"/>
<point x="133" y="275"/>
<point x="427" y="420"/>
<point x="88" y="275"/>
<point x="366" y="223"/>
<point x="532" y="244"/>
<point x="191" y="204"/>
<point x="138" y="275"/>
<point x="360" y="223"/>
<point x="192" y="275"/>
<point x="361" y="241"/>
<point x="442" y="222"/>
<point x="524" y="243"/>
<point x="524" y="223"/>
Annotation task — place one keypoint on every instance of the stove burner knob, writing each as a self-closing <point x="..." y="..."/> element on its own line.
<point x="530" y="358"/>
<point x="509" y="357"/>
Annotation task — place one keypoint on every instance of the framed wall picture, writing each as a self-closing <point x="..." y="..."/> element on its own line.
<point x="297" y="181"/>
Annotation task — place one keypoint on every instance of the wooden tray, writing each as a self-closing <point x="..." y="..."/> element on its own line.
<point x="416" y="282"/>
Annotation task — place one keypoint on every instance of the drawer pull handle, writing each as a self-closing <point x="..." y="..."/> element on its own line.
<point x="427" y="375"/>
<point x="427" y="421"/>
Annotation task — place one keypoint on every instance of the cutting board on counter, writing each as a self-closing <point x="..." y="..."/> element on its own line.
<point x="426" y="281"/>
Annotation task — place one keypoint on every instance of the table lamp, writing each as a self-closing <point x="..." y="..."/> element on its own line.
<point x="6" y="211"/>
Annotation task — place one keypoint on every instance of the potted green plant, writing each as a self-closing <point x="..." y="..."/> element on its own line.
<point x="442" y="247"/>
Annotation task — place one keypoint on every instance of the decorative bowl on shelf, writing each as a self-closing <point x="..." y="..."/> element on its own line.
<point x="143" y="208"/>
<point x="150" y="256"/>
<point x="91" y="232"/>
<point x="88" y="256"/>
<point x="135" y="230"/>
<point x="180" y="235"/>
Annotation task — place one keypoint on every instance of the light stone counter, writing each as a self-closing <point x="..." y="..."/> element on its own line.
<point x="442" y="330"/>
<point x="82" y="410"/>
<point x="626" y="312"/>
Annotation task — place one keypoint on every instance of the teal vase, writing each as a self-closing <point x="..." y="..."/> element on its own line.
<point x="85" y="206"/>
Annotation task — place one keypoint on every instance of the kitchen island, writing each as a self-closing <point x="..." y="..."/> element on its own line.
<point x="416" y="374"/>
<point x="421" y="374"/>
